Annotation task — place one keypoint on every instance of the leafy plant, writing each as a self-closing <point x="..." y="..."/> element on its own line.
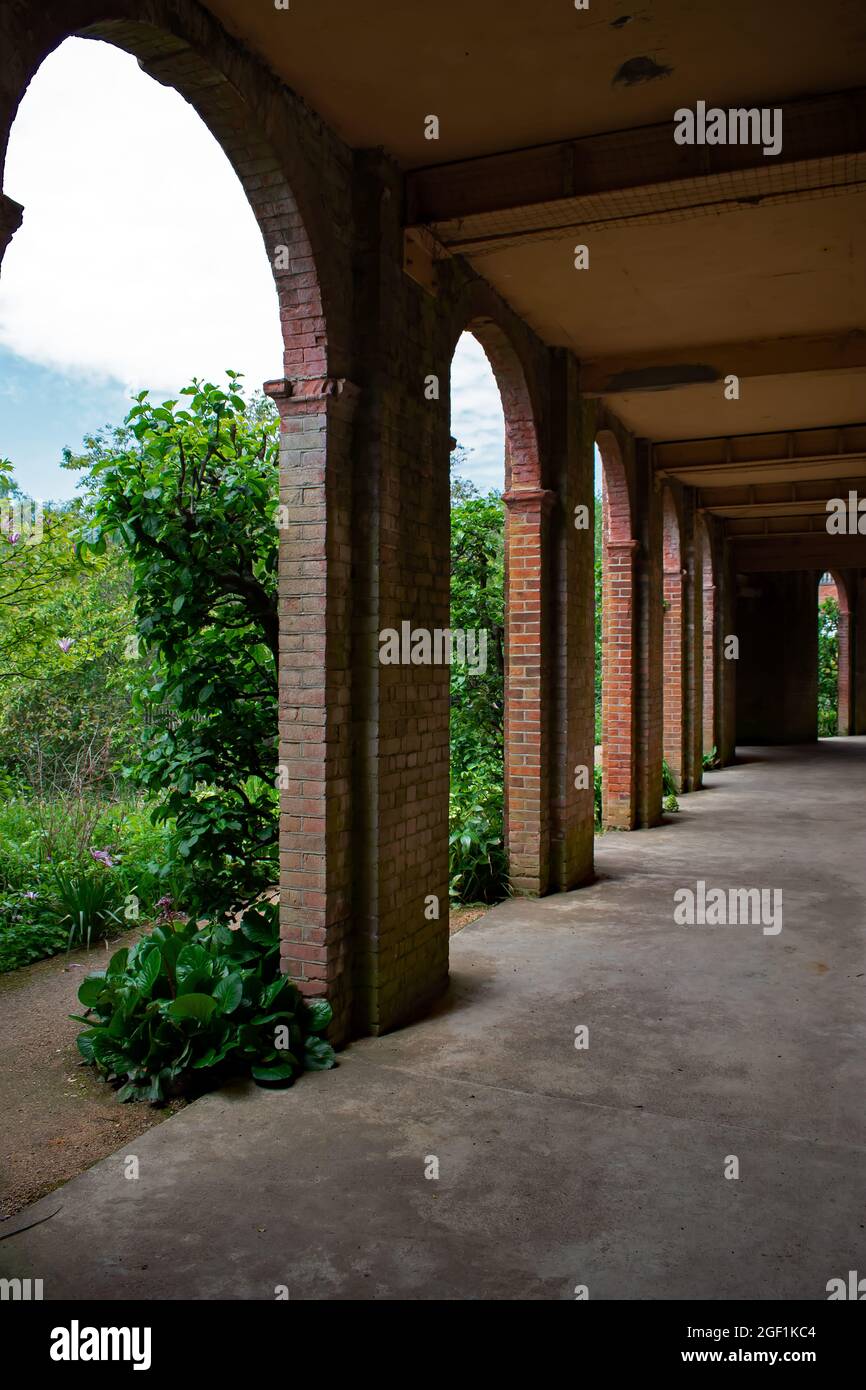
<point x="710" y="760"/>
<point x="669" y="788"/>
<point x="828" y="668"/>
<point x="191" y="494"/>
<point x="191" y="1002"/>
<point x="597" y="795"/>
<point x="477" y="864"/>
<point x="89" y="903"/>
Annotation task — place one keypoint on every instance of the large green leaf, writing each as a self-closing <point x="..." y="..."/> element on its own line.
<point x="228" y="992"/>
<point x="201" y="1007"/>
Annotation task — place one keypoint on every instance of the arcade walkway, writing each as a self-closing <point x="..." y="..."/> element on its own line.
<point x="557" y="1167"/>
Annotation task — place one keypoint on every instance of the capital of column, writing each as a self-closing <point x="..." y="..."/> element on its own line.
<point x="630" y="545"/>
<point x="529" y="499"/>
<point x="297" y="393"/>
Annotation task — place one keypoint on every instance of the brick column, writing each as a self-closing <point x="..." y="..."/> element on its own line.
<point x="619" y="809"/>
<point x="314" y="686"/>
<point x="709" y="669"/>
<point x="572" y="707"/>
<point x="674" y="633"/>
<point x="844" y="725"/>
<point x="527" y="661"/>
<point x="649" y="642"/>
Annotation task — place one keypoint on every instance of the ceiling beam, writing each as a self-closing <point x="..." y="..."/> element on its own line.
<point x="834" y="453"/>
<point x="639" y="174"/>
<point x="807" y="552"/>
<point x="714" y="501"/>
<point x="695" y="366"/>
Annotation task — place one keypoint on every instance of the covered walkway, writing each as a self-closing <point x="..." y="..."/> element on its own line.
<point x="558" y="1167"/>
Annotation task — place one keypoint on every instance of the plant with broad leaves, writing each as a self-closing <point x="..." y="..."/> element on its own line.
<point x="200" y="1001"/>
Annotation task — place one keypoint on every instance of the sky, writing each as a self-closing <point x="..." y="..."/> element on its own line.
<point x="139" y="264"/>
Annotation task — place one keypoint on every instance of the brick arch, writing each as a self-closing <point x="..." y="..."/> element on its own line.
<point x="278" y="149"/>
<point x="526" y="735"/>
<point x="619" y="607"/>
<point x="674" y="640"/>
<point x="178" y="44"/>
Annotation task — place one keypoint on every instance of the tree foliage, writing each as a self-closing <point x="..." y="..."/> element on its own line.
<point x="192" y="497"/>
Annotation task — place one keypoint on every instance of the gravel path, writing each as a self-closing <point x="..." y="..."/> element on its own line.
<point x="58" y="1118"/>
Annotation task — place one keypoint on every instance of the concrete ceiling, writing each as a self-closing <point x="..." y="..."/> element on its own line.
<point x="695" y="255"/>
<point x="502" y="75"/>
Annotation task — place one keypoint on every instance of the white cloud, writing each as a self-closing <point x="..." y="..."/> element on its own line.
<point x="476" y="414"/>
<point x="139" y="257"/>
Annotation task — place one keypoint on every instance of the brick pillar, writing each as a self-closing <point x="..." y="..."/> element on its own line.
<point x="726" y="668"/>
<point x="572" y="709"/>
<point x="527" y="663"/>
<point x="314" y="686"/>
<point x="617" y="691"/>
<point x="674" y="674"/>
<point x="846" y="669"/>
<point x="693" y="654"/>
<point x="710" y="739"/>
<point x="649" y="654"/>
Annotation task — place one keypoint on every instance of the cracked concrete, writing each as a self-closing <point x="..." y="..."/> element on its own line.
<point x="557" y="1167"/>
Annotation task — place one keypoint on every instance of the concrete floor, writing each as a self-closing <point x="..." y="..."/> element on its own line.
<point x="557" y="1167"/>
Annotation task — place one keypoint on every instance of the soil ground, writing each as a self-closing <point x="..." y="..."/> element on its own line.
<point x="58" y="1117"/>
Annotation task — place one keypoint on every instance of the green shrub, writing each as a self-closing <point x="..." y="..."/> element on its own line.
<point x="477" y="864"/>
<point x="597" y="795"/>
<point x="194" y="1002"/>
<point x="669" y="788"/>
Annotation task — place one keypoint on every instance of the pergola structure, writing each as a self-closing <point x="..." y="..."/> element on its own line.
<point x="695" y="309"/>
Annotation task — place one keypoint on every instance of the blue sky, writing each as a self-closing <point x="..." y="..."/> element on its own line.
<point x="107" y="289"/>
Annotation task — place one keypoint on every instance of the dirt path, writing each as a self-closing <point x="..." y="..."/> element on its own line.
<point x="56" y="1117"/>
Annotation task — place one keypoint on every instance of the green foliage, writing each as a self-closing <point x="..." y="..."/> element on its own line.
<point x="192" y="497"/>
<point x="669" y="788"/>
<point x="597" y="796"/>
<point x="193" y="1002"/>
<point x="53" y="887"/>
<point x="62" y="630"/>
<point x="89" y="902"/>
<point x="478" y="867"/>
<point x="828" y="668"/>
<point x="710" y="760"/>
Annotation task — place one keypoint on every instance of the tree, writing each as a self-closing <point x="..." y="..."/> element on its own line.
<point x="192" y="496"/>
<point x="828" y="667"/>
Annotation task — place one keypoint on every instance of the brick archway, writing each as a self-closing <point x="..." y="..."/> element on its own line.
<point x="526" y="790"/>
<point x="276" y="147"/>
<point x="675" y="700"/>
<point x="619" y="549"/>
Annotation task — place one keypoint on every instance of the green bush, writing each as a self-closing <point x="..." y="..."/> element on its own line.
<point x="828" y="668"/>
<point x="73" y="869"/>
<point x="191" y="1002"/>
